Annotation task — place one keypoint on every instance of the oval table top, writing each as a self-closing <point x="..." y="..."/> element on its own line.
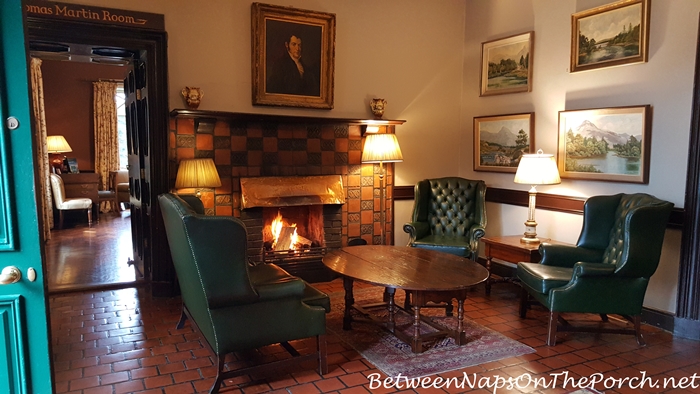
<point x="405" y="267"/>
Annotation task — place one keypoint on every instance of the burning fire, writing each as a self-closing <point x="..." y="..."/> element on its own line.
<point x="276" y="227"/>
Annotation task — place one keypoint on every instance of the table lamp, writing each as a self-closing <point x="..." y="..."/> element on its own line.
<point x="197" y="173"/>
<point x="382" y="148"/>
<point x="535" y="169"/>
<point x="55" y="145"/>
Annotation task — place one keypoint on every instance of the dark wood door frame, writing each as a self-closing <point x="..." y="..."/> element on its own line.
<point x="687" y="321"/>
<point x="160" y="273"/>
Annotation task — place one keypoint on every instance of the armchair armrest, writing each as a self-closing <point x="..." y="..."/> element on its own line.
<point x="583" y="269"/>
<point x="416" y="230"/>
<point x="289" y="287"/>
<point x="476" y="232"/>
<point x="567" y="256"/>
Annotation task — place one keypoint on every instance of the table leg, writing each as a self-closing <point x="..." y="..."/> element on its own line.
<point x="349" y="302"/>
<point x="460" y="322"/>
<point x="488" y="279"/>
<point x="391" y="306"/>
<point x="417" y="345"/>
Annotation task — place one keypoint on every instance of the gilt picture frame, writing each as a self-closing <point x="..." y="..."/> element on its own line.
<point x="293" y="57"/>
<point x="506" y="65"/>
<point x="611" y="35"/>
<point x="605" y="144"/>
<point x="500" y="141"/>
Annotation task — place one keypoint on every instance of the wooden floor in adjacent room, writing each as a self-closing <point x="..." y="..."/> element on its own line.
<point x="97" y="256"/>
<point x="125" y="341"/>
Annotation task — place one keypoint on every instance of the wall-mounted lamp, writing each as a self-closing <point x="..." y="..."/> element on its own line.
<point x="55" y="145"/>
<point x="382" y="148"/>
<point x="197" y="173"/>
<point x="535" y="169"/>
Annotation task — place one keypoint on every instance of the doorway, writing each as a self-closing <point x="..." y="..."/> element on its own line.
<point x="80" y="256"/>
<point x="148" y="123"/>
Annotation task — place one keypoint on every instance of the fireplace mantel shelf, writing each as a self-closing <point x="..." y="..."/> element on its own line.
<point x="221" y="115"/>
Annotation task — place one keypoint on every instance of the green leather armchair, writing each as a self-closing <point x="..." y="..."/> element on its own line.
<point x="608" y="270"/>
<point x="233" y="305"/>
<point x="449" y="215"/>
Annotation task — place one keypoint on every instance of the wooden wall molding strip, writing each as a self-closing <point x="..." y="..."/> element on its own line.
<point x="550" y="202"/>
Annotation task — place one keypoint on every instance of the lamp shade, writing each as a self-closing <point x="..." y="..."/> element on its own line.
<point x="381" y="148"/>
<point x="57" y="144"/>
<point x="194" y="173"/>
<point x="537" y="169"/>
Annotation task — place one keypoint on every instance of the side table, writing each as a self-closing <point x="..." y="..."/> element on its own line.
<point x="510" y="249"/>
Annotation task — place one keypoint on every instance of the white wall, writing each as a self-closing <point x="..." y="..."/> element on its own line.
<point x="665" y="82"/>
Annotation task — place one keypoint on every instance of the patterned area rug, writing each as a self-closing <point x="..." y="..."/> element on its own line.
<point x="393" y="357"/>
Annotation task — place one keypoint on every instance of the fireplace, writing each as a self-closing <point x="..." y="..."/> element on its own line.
<point x="293" y="221"/>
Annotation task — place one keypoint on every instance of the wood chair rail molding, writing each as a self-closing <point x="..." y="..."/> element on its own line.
<point x="550" y="202"/>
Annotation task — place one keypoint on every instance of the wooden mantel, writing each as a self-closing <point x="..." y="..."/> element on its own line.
<point x="248" y="117"/>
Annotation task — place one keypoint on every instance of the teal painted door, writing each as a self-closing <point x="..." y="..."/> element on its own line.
<point x="25" y="363"/>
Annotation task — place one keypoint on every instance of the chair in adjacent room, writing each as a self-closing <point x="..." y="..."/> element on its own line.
<point x="110" y="194"/>
<point x="61" y="203"/>
<point x="608" y="270"/>
<point x="234" y="305"/>
<point x="449" y="215"/>
<point x="121" y="186"/>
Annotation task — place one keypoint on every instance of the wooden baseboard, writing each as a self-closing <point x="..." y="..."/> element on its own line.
<point x="663" y="320"/>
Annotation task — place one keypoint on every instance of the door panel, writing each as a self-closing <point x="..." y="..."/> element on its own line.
<point x="139" y="163"/>
<point x="13" y="372"/>
<point x="25" y="364"/>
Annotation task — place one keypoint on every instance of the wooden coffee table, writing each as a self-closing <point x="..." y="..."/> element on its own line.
<point x="427" y="275"/>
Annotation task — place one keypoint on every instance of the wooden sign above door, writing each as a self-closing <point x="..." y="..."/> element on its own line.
<point x="102" y="15"/>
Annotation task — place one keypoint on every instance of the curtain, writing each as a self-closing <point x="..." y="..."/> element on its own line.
<point x="106" y="135"/>
<point x="42" y="159"/>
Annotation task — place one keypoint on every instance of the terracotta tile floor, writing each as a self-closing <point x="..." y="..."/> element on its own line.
<point x="125" y="341"/>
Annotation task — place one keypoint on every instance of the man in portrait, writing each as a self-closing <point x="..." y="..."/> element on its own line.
<point x="292" y="72"/>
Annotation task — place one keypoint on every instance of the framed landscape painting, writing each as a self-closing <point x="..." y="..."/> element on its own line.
<point x="611" y="35"/>
<point x="500" y="141"/>
<point x="506" y="65"/>
<point x="607" y="144"/>
<point x="293" y="56"/>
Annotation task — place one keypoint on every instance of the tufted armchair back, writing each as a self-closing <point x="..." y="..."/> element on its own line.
<point x="629" y="227"/>
<point x="448" y="214"/>
<point x="452" y="205"/>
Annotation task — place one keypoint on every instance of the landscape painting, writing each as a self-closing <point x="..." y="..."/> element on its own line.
<point x="507" y="65"/>
<point x="610" y="144"/>
<point x="500" y="141"/>
<point x="611" y="35"/>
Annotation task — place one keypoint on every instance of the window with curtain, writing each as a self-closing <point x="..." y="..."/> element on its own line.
<point x="119" y="100"/>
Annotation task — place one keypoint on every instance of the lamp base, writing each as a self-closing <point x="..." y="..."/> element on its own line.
<point x="530" y="236"/>
<point x="57" y="163"/>
<point x="529" y="240"/>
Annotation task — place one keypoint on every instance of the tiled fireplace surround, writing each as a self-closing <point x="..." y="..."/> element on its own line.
<point x="243" y="148"/>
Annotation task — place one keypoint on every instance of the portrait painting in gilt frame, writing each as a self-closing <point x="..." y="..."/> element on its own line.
<point x="605" y="144"/>
<point x="293" y="56"/>
<point x="506" y="65"/>
<point x="611" y="35"/>
<point x="501" y="140"/>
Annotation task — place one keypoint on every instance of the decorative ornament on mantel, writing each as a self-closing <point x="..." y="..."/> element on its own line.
<point x="192" y="96"/>
<point x="377" y="106"/>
